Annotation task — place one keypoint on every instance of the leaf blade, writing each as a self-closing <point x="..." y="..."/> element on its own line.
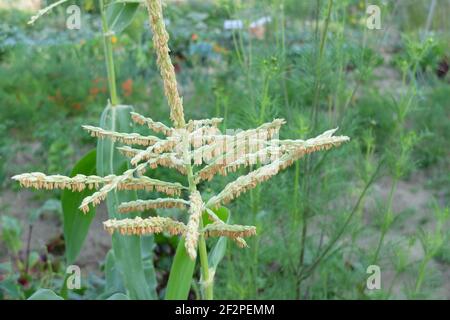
<point x="181" y="274"/>
<point x="120" y="14"/>
<point x="75" y="223"/>
<point x="44" y="294"/>
<point x="218" y="251"/>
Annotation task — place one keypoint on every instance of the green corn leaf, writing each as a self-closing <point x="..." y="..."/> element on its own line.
<point x="147" y="247"/>
<point x="181" y="274"/>
<point x="118" y="296"/>
<point x="113" y="278"/>
<point x="44" y="294"/>
<point x="218" y="251"/>
<point x="76" y="224"/>
<point x="10" y="289"/>
<point x="127" y="249"/>
<point x="119" y="14"/>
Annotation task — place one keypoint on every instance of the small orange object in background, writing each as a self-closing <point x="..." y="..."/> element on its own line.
<point x="98" y="85"/>
<point x="94" y="91"/>
<point x="258" y="28"/>
<point x="258" y="32"/>
<point x="113" y="39"/>
<point x="127" y="87"/>
<point x="219" y="49"/>
<point x="194" y="37"/>
<point x="76" y="106"/>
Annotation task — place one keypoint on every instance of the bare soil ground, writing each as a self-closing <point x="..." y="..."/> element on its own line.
<point x="413" y="201"/>
<point x="49" y="227"/>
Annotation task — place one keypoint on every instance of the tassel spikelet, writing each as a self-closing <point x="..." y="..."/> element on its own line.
<point x="244" y="183"/>
<point x="126" y="138"/>
<point x="193" y="125"/>
<point x="158" y="147"/>
<point x="238" y="240"/>
<point x="232" y="231"/>
<point x="225" y="147"/>
<point x="234" y="159"/>
<point x="39" y="180"/>
<point x="128" y="151"/>
<point x="96" y="198"/>
<point x="262" y="156"/>
<point x="184" y="147"/>
<point x="217" y="145"/>
<point x="264" y="132"/>
<point x="139" y="226"/>
<point x="201" y="136"/>
<point x="168" y="160"/>
<point x="161" y="203"/>
<point x="241" y="243"/>
<point x="158" y="127"/>
<point x="100" y="195"/>
<point x="80" y="182"/>
<point x="149" y="184"/>
<point x="192" y="229"/>
<point x="160" y="42"/>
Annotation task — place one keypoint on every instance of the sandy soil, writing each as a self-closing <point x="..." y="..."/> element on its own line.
<point x="49" y="227"/>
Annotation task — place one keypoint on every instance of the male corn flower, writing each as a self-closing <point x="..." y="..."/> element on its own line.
<point x="196" y="149"/>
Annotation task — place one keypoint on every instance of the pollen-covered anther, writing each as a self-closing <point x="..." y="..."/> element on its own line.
<point x="244" y="183"/>
<point x="155" y="126"/>
<point x="263" y="156"/>
<point x="241" y="243"/>
<point x="78" y="183"/>
<point x="202" y="135"/>
<point x="154" y="150"/>
<point x="128" y="151"/>
<point x="168" y="160"/>
<point x="167" y="70"/>
<point x="139" y="226"/>
<point x="237" y="158"/>
<point x="193" y="125"/>
<point x="298" y="148"/>
<point x="101" y="195"/>
<point x="192" y="230"/>
<point x="95" y="200"/>
<point x="263" y="132"/>
<point x="227" y="230"/>
<point x="126" y="138"/>
<point x="160" y="203"/>
<point x="242" y="142"/>
<point x="149" y="184"/>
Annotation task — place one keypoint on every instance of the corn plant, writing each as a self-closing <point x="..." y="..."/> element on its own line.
<point x="198" y="150"/>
